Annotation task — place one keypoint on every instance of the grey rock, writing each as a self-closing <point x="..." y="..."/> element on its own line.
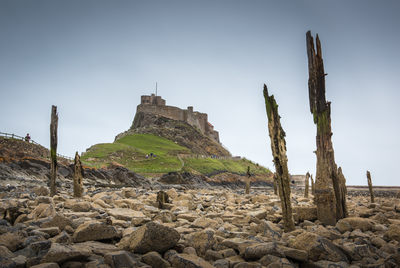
<point x="62" y="253"/>
<point x="318" y="247"/>
<point x="62" y="238"/>
<point x="202" y="241"/>
<point x="12" y="240"/>
<point x="154" y="259"/>
<point x="58" y="220"/>
<point x="120" y="259"/>
<point x="151" y="237"/>
<point x="257" y="251"/>
<point x="294" y="254"/>
<point x="94" y="231"/>
<point x="187" y="261"/>
<point x="5" y="252"/>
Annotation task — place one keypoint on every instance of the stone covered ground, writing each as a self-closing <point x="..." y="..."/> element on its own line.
<point x="214" y="227"/>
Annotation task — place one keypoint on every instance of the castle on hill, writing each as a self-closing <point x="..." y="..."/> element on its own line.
<point x="156" y="105"/>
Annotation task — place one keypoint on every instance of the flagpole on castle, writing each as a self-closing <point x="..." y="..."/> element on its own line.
<point x="156" y="89"/>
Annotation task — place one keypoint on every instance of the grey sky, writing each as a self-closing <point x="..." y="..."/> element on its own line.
<point x="94" y="59"/>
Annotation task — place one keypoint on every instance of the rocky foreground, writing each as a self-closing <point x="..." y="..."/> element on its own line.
<point x="197" y="228"/>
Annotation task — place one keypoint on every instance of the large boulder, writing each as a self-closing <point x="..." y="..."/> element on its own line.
<point x="94" y="231"/>
<point x="318" y="248"/>
<point x="42" y="211"/>
<point x="125" y="214"/>
<point x="41" y="191"/>
<point x="186" y="260"/>
<point x="154" y="259"/>
<point x="393" y="233"/>
<point x="118" y="259"/>
<point x="57" y="221"/>
<point x="352" y="223"/>
<point x="268" y="229"/>
<point x="96" y="247"/>
<point x="256" y="251"/>
<point x="295" y="254"/>
<point x="82" y="206"/>
<point x="238" y="244"/>
<point x="202" y="241"/>
<point x="172" y="193"/>
<point x="150" y="237"/>
<point x="12" y="240"/>
<point x="204" y="222"/>
<point x="61" y="253"/>
<point x="6" y="253"/>
<point x="35" y="251"/>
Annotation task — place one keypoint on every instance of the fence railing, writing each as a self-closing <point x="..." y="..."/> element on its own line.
<point x="17" y="137"/>
<point x="201" y="156"/>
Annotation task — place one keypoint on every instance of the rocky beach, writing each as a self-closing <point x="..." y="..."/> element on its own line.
<point x="198" y="226"/>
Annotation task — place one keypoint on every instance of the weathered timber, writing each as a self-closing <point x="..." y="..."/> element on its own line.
<point x="78" y="176"/>
<point x="162" y="198"/>
<point x="275" y="185"/>
<point x="248" y="181"/>
<point x="53" y="150"/>
<point x="371" y="192"/>
<point x="278" y="147"/>
<point x="329" y="191"/>
<point x="341" y="198"/>
<point x="306" y="184"/>
<point x="312" y="185"/>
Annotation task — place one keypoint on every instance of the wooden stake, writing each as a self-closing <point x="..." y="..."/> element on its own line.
<point x="78" y="176"/>
<point x="278" y="147"/>
<point x="329" y="184"/>
<point x="248" y="180"/>
<point x="371" y="192"/>
<point x="53" y="150"/>
<point x="312" y="185"/>
<point x="306" y="184"/>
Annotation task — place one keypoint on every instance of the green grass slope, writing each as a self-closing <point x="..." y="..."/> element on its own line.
<point x="130" y="151"/>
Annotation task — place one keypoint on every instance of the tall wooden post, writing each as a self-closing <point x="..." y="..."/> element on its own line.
<point x="371" y="192"/>
<point x="275" y="185"/>
<point x="306" y="184"/>
<point x="331" y="205"/>
<point x="312" y="185"/>
<point x="278" y="147"/>
<point x="248" y="180"/>
<point x="78" y="176"/>
<point x="53" y="150"/>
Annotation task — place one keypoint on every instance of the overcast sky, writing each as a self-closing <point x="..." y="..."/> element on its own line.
<point x="94" y="59"/>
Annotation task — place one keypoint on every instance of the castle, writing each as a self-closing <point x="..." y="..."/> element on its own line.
<point x="156" y="105"/>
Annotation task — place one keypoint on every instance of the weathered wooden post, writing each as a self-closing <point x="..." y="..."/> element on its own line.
<point x="162" y="198"/>
<point x="306" y="184"/>
<point x="78" y="176"/>
<point x="312" y="185"/>
<point x="278" y="147"/>
<point x="275" y="185"/>
<point x="331" y="205"/>
<point x="53" y="150"/>
<point x="248" y="180"/>
<point x="343" y="192"/>
<point x="371" y="192"/>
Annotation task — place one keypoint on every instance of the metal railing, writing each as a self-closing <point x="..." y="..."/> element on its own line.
<point x="17" y="137"/>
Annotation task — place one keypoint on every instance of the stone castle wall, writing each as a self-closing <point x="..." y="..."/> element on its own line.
<point x="156" y="105"/>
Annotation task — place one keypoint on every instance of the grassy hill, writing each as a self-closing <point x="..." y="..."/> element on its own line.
<point x="131" y="150"/>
